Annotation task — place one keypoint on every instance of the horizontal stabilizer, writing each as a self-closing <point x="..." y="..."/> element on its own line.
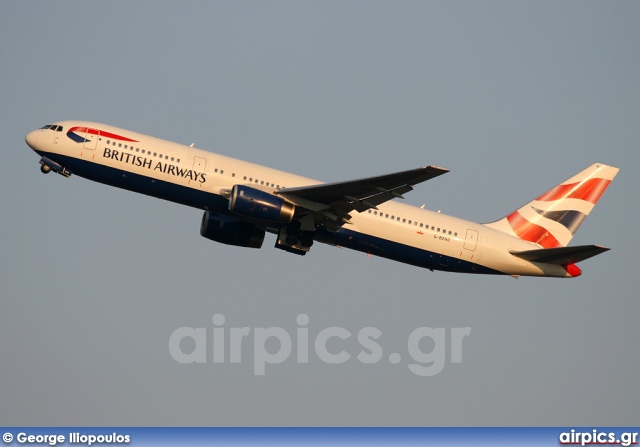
<point x="560" y="255"/>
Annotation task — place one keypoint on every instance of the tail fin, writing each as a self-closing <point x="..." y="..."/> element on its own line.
<point x="552" y="219"/>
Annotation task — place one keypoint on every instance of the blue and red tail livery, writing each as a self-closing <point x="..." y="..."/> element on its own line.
<point x="552" y="219"/>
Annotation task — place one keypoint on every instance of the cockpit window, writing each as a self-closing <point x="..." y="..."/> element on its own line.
<point x="52" y="127"/>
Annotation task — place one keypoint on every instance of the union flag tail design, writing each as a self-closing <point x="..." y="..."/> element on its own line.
<point x="552" y="219"/>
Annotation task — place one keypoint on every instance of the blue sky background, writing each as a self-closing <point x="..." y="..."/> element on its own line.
<point x="512" y="97"/>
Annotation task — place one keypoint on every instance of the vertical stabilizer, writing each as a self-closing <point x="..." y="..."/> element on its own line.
<point x="552" y="219"/>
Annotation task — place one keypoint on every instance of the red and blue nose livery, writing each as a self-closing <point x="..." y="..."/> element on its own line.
<point x="81" y="134"/>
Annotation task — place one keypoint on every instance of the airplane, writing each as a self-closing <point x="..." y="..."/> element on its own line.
<point x="242" y="201"/>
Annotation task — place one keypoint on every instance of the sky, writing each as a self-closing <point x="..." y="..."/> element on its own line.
<point x="512" y="97"/>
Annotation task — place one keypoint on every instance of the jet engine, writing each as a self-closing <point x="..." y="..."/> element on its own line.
<point x="230" y="231"/>
<point x="257" y="204"/>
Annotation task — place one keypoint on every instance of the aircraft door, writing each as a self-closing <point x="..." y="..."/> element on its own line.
<point x="91" y="138"/>
<point x="199" y="164"/>
<point x="471" y="239"/>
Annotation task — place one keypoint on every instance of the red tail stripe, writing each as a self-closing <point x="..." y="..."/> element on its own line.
<point x="590" y="190"/>
<point x="531" y="232"/>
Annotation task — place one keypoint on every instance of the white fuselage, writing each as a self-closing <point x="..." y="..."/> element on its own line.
<point x="201" y="179"/>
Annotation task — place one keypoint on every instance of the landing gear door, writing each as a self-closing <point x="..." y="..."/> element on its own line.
<point x="91" y="138"/>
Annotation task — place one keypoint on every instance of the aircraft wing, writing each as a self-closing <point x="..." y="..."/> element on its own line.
<point x="334" y="201"/>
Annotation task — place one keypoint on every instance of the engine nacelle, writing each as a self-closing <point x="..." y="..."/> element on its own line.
<point x="257" y="204"/>
<point x="230" y="231"/>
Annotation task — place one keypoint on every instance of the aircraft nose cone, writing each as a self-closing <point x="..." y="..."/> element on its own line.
<point x="32" y="139"/>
